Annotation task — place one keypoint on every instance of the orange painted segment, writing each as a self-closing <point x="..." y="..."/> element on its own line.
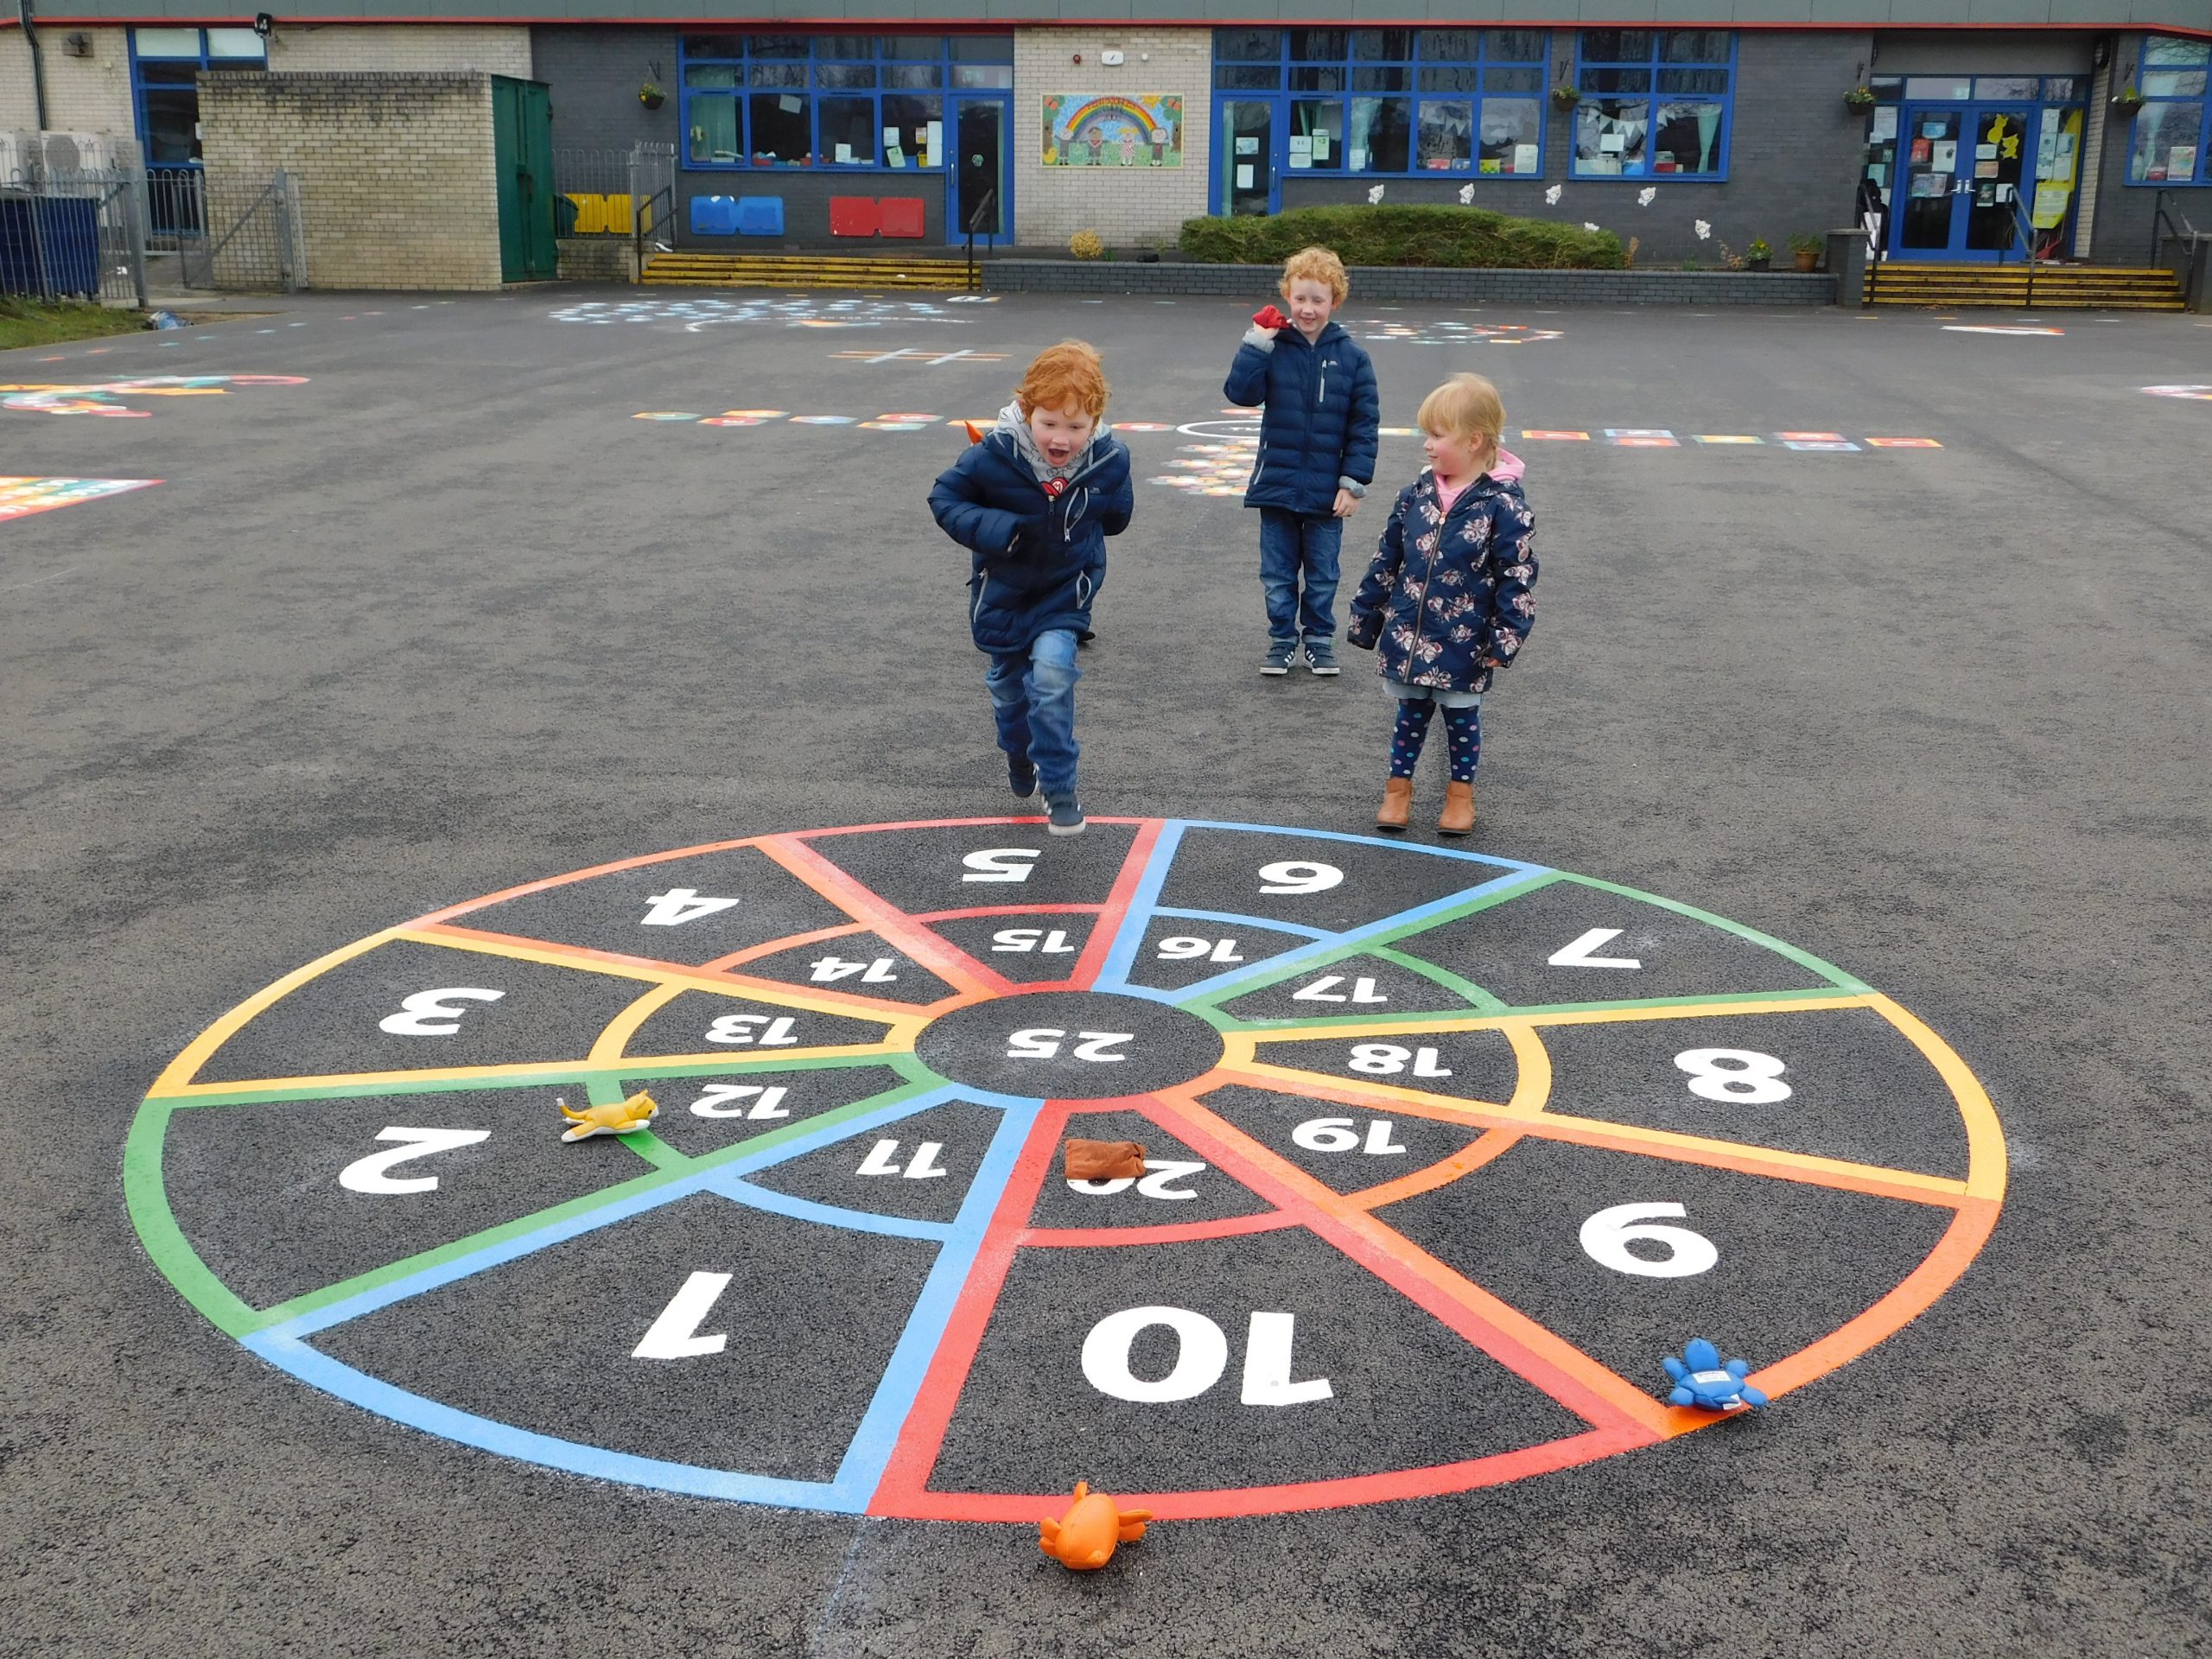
<point x="176" y="1077"/>
<point x="1562" y="1371"/>
<point x="1441" y="1173"/>
<point x="956" y="967"/>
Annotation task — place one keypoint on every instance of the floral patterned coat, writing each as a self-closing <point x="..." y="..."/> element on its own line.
<point x="1446" y="600"/>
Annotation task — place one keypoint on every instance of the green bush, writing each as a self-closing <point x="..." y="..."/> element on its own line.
<point x="1404" y="236"/>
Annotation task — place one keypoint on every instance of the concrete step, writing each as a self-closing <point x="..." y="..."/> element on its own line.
<point x="800" y="270"/>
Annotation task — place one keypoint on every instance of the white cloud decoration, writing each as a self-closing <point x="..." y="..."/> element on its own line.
<point x="1704" y="230"/>
<point x="1375" y="195"/>
<point x="1590" y="225"/>
<point x="1551" y="196"/>
<point x="1643" y="197"/>
<point x="1468" y="194"/>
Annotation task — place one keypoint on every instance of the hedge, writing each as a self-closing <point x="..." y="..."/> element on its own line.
<point x="1404" y="236"/>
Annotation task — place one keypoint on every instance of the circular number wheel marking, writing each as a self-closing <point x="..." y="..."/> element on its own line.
<point x="1442" y="1153"/>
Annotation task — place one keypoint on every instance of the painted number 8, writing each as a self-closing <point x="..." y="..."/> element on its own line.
<point x="1742" y="1076"/>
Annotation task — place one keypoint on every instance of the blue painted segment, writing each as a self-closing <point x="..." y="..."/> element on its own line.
<point x="321" y="1371"/>
<point x="865" y="1458"/>
<point x="743" y="1192"/>
<point x="1114" y="976"/>
<point x="1228" y="920"/>
<point x="759" y="216"/>
<point x="713" y="215"/>
<point x="1211" y="990"/>
<point x="510" y="1249"/>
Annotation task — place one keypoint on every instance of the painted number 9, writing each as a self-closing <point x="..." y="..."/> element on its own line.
<point x="1741" y="1075"/>
<point x="1607" y="1235"/>
<point x="1295" y="876"/>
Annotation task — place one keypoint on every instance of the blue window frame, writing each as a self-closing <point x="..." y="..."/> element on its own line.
<point x="834" y="101"/>
<point x="2174" y="127"/>
<point x="165" y="66"/>
<point x="1655" y="102"/>
<point x="1388" y="103"/>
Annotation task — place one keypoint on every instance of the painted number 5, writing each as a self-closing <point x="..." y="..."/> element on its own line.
<point x="1607" y="1235"/>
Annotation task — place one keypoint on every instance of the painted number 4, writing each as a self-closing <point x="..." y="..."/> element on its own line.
<point x="680" y="905"/>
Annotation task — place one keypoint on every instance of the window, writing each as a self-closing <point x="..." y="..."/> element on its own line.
<point x="2174" y="126"/>
<point x="165" y="64"/>
<point x="830" y="101"/>
<point x="1392" y="101"/>
<point x="1654" y="101"/>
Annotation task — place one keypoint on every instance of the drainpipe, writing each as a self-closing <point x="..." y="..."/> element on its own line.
<point x="38" y="62"/>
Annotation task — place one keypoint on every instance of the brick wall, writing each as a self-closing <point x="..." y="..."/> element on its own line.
<point x="594" y="73"/>
<point x="296" y="48"/>
<point x="1124" y="206"/>
<point x="87" y="94"/>
<point x="395" y="171"/>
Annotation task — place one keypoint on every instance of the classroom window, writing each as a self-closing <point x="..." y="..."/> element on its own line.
<point x="2174" y="127"/>
<point x="830" y="100"/>
<point x="1654" y="101"/>
<point x="165" y="66"/>
<point x="1391" y="101"/>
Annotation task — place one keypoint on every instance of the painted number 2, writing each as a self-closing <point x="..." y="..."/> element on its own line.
<point x="1043" y="1043"/>
<point x="374" y="1173"/>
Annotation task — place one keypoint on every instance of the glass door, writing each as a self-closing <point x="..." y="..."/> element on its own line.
<point x="1927" y="169"/>
<point x="1990" y="203"/>
<point x="1247" y="151"/>
<point x="979" y="171"/>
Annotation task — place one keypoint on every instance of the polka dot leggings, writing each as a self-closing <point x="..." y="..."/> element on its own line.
<point x="1463" y="730"/>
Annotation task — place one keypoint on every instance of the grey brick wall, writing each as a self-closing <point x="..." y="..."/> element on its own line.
<point x="595" y="72"/>
<point x="2123" y="225"/>
<point x="1257" y="283"/>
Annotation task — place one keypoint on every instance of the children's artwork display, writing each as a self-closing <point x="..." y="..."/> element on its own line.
<point x="22" y="497"/>
<point x="1113" y="129"/>
<point x="1425" y="1157"/>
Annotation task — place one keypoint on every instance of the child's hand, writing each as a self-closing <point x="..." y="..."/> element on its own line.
<point x="1347" y="504"/>
<point x="1271" y="319"/>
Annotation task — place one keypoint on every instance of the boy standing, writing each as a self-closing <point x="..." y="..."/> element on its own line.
<point x="1034" y="502"/>
<point x="1316" y="453"/>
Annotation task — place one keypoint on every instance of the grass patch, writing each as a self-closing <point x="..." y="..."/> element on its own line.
<point x="1434" y="236"/>
<point x="30" y="322"/>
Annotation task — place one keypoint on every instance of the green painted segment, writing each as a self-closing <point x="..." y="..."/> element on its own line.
<point x="582" y="1076"/>
<point x="1451" y="981"/>
<point x="1805" y="959"/>
<point x="605" y="1089"/>
<point x="1262" y="975"/>
<point x="157" y="1229"/>
<point x="573" y="1208"/>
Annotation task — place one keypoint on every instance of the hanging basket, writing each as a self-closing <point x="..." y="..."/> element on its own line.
<point x="1861" y="98"/>
<point x="1565" y="98"/>
<point x="652" y="97"/>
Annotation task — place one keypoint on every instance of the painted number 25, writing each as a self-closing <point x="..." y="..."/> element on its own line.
<point x="1043" y="1043"/>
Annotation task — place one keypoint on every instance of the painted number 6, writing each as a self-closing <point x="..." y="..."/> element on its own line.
<point x="1294" y="876"/>
<point x="1607" y="1235"/>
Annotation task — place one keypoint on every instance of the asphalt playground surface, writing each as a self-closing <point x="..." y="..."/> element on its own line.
<point x="430" y="613"/>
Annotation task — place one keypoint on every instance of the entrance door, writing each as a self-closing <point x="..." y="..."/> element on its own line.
<point x="1960" y="170"/>
<point x="1247" y="152"/>
<point x="522" y="153"/>
<point x="979" y="174"/>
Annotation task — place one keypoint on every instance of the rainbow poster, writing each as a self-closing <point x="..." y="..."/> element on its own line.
<point x="1113" y="129"/>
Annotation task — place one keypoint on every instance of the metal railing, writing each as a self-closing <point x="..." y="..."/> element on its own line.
<point x="73" y="235"/>
<point x="2023" y="232"/>
<point x="983" y="209"/>
<point x="2171" y="224"/>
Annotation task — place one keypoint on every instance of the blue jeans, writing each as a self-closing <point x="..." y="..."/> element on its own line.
<point x="1288" y="544"/>
<point x="1033" y="695"/>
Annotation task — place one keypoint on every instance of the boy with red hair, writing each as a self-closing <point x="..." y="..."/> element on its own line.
<point x="1034" y="502"/>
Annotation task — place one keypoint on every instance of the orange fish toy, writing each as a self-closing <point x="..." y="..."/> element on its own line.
<point x="1084" y="1537"/>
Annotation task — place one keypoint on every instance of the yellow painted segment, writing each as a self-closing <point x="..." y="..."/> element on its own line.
<point x="1429" y="1025"/>
<point x="1986" y="1164"/>
<point x="176" y="1077"/>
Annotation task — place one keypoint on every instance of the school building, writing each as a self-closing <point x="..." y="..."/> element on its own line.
<point x="862" y="123"/>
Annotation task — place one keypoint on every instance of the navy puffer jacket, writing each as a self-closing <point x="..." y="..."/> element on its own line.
<point x="1040" y="561"/>
<point x="1446" y="601"/>
<point x="1322" y="421"/>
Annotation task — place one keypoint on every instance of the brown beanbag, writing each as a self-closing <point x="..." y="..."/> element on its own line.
<point x="1104" y="1160"/>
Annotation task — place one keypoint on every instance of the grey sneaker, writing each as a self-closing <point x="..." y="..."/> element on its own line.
<point x="1321" y="656"/>
<point x="1282" y="653"/>
<point x="1067" y="817"/>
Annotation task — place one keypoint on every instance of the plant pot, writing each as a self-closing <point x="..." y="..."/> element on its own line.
<point x="1808" y="260"/>
<point x="1564" y="101"/>
<point x="1765" y="264"/>
<point x="653" y="100"/>
<point x="2124" y="105"/>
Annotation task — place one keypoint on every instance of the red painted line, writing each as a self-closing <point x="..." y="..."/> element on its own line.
<point x="1173" y="1232"/>
<point x="1116" y="908"/>
<point x="922" y="1435"/>
<point x="1225" y="1502"/>
<point x="935" y="952"/>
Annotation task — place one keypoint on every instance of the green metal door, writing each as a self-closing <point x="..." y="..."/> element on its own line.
<point x="522" y="130"/>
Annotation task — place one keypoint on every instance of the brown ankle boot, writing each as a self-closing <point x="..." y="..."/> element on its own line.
<point x="1397" y="805"/>
<point x="1458" y="809"/>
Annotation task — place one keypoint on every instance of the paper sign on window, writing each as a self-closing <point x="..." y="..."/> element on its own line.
<point x="1244" y="175"/>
